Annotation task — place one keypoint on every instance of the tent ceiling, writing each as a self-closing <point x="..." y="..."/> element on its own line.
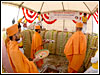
<point x="33" y="5"/>
<point x="53" y="6"/>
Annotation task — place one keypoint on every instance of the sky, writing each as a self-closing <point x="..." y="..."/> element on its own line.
<point x="9" y="12"/>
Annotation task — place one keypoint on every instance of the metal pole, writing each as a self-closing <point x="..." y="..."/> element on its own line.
<point x="18" y="13"/>
<point x="63" y="24"/>
<point x="19" y="9"/>
<point x="92" y="24"/>
<point x="41" y="6"/>
<point x="87" y="7"/>
<point x="63" y="19"/>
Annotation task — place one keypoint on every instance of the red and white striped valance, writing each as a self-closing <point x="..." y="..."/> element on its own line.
<point x="30" y="16"/>
<point x="46" y="19"/>
<point x="95" y="15"/>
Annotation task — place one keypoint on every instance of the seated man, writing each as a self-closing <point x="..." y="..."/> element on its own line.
<point x="19" y="63"/>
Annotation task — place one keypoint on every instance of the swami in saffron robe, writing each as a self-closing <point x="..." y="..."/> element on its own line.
<point x="75" y="51"/>
<point x="19" y="63"/>
<point x="36" y="45"/>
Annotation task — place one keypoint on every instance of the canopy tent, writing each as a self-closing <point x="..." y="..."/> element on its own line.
<point x="89" y="7"/>
<point x="50" y="6"/>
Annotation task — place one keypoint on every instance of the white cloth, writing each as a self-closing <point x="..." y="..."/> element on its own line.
<point x="39" y="23"/>
<point x="84" y="30"/>
<point x="24" y="28"/>
<point x="91" y="70"/>
<point x="21" y="49"/>
<point x="19" y="40"/>
<point x="95" y="58"/>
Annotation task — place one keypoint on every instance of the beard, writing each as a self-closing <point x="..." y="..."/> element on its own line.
<point x="39" y="31"/>
<point x="16" y="39"/>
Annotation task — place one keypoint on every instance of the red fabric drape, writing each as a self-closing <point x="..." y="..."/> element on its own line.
<point x="95" y="19"/>
<point x="74" y="21"/>
<point x="29" y="14"/>
<point x="31" y="11"/>
<point x="96" y="14"/>
<point x="97" y="11"/>
<point x="89" y="16"/>
<point x="46" y="16"/>
<point x="48" y="22"/>
<point x="80" y="13"/>
<point x="30" y="21"/>
<point x="80" y="17"/>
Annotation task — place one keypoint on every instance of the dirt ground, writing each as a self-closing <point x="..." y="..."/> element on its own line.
<point x="56" y="62"/>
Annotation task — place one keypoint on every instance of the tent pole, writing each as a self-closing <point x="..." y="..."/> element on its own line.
<point x="41" y="6"/>
<point x="95" y="9"/>
<point x="19" y="9"/>
<point x="92" y="24"/>
<point x="18" y="13"/>
<point x="63" y="19"/>
<point x="87" y="7"/>
<point x="63" y="24"/>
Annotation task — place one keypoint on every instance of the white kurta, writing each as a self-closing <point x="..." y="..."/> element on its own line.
<point x="93" y="60"/>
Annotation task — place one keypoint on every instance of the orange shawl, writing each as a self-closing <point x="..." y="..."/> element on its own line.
<point x="75" y="50"/>
<point x="36" y="45"/>
<point x="19" y="63"/>
<point x="76" y="44"/>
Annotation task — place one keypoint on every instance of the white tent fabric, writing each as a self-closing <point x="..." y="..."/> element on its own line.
<point x="69" y="25"/>
<point x="88" y="7"/>
<point x="49" y="6"/>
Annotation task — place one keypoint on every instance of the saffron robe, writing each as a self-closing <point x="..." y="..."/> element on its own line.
<point x="75" y="50"/>
<point x="36" y="45"/>
<point x="19" y="63"/>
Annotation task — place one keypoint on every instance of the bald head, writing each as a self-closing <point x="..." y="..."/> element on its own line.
<point x="78" y="29"/>
<point x="79" y="26"/>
